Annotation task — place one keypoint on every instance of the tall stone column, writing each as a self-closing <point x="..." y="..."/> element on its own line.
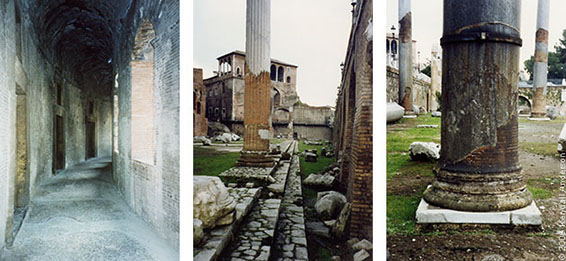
<point x="405" y="56"/>
<point x="479" y="168"/>
<point x="540" y="69"/>
<point x="257" y="89"/>
<point x="434" y="78"/>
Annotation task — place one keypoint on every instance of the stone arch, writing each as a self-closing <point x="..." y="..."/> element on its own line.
<point x="142" y="111"/>
<point x="276" y="97"/>
<point x="281" y="115"/>
<point x="524" y="105"/>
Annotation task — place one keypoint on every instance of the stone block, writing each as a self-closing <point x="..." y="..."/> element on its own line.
<point x="429" y="214"/>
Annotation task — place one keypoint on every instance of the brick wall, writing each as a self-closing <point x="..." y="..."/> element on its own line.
<point x="142" y="114"/>
<point x="199" y="106"/>
<point x="353" y="124"/>
<point x="157" y="201"/>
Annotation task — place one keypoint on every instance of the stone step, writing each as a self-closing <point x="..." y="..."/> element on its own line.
<point x="291" y="240"/>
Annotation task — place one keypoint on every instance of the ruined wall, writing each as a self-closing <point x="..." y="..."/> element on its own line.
<point x="151" y="190"/>
<point x="354" y="122"/>
<point x="312" y="132"/>
<point x="553" y="96"/>
<point x="199" y="104"/>
<point x="219" y="93"/>
<point x="316" y="115"/>
<point x="421" y="89"/>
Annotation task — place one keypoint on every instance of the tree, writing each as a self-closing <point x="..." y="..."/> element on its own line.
<point x="426" y="70"/>
<point x="556" y="60"/>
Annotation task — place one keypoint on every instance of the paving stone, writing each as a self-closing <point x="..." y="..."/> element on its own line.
<point x="250" y="252"/>
<point x="288" y="247"/>
<point x="301" y="253"/>
<point x="299" y="241"/>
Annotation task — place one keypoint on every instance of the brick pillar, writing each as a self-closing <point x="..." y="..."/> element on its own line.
<point x="479" y="166"/>
<point x="541" y="61"/>
<point x="257" y="90"/>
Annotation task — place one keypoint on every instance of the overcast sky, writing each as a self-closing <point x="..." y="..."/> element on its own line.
<point x="427" y="24"/>
<point x="311" y="34"/>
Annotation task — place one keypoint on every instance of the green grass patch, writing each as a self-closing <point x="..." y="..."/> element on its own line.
<point x="210" y="162"/>
<point x="308" y="168"/>
<point x="539" y="193"/>
<point x="401" y="214"/>
<point x="324" y="254"/>
<point x="540" y="234"/>
<point x="546" y="149"/>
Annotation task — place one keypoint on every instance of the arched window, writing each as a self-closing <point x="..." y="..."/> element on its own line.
<point x="273" y="73"/>
<point x="276" y="98"/>
<point x="387" y="45"/>
<point x="280" y="74"/>
<point x="238" y="71"/>
<point x="394" y="47"/>
<point x="194" y="100"/>
<point x="142" y="65"/>
<point x="288" y="79"/>
<point x="198" y="107"/>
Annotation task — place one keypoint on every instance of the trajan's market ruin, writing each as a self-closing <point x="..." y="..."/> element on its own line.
<point x="299" y="186"/>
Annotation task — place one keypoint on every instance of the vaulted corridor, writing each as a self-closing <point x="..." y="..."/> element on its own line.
<point x="89" y="129"/>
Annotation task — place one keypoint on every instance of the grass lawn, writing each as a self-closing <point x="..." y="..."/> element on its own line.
<point x="209" y="162"/>
<point x="308" y="168"/>
<point x="401" y="208"/>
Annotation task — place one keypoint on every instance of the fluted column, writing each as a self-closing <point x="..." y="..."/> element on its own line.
<point x="479" y="166"/>
<point x="540" y="69"/>
<point x="405" y="56"/>
<point x="257" y="90"/>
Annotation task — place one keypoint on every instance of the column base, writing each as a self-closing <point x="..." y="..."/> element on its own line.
<point x="537" y="116"/>
<point x="478" y="192"/>
<point x="255" y="159"/>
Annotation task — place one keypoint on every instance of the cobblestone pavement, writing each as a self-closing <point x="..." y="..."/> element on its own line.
<point x="291" y="239"/>
<point x="256" y="234"/>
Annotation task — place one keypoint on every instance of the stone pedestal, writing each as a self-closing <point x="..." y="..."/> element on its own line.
<point x="479" y="168"/>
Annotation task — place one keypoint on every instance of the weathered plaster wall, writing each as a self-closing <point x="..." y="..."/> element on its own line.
<point x="553" y="97"/>
<point x="421" y="89"/>
<point x="151" y="190"/>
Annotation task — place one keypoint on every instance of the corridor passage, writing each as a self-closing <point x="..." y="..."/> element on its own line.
<point x="79" y="214"/>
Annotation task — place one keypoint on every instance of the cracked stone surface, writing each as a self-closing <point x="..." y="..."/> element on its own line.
<point x="80" y="215"/>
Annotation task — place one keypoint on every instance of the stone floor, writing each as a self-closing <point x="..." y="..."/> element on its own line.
<point x="254" y="240"/>
<point x="291" y="239"/>
<point x="80" y="215"/>
<point x="275" y="230"/>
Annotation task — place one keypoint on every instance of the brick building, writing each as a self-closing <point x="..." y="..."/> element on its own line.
<point x="289" y="117"/>
<point x="200" y="122"/>
<point x="353" y="123"/>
